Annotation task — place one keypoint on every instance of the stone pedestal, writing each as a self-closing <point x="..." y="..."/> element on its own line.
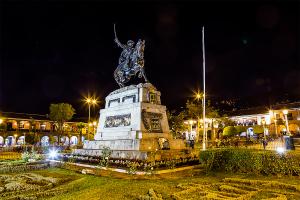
<point x="133" y="123"/>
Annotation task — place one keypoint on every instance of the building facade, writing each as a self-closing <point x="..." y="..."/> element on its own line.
<point x="278" y="120"/>
<point x="38" y="129"/>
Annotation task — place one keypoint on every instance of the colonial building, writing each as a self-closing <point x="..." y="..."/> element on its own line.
<point x="15" y="127"/>
<point x="278" y="119"/>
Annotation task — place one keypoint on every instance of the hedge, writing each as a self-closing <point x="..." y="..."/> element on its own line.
<point x="250" y="161"/>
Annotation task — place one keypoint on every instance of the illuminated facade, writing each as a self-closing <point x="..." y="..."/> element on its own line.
<point x="278" y="120"/>
<point x="14" y="127"/>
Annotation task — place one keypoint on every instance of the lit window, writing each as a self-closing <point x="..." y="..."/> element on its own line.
<point x="152" y="98"/>
<point x="43" y="126"/>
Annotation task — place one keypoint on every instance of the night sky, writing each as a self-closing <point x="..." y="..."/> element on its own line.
<point x="60" y="51"/>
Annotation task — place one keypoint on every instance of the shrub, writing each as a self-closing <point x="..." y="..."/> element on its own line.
<point x="240" y="129"/>
<point x="229" y="131"/>
<point x="26" y="156"/>
<point x="33" y="156"/>
<point x="250" y="161"/>
<point x="106" y="153"/>
<point x="132" y="167"/>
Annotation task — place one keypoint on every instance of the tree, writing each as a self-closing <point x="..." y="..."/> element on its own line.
<point x="31" y="138"/>
<point x="176" y="122"/>
<point x="80" y="126"/>
<point x="213" y="114"/>
<point x="194" y="110"/>
<point x="229" y="131"/>
<point x="61" y="113"/>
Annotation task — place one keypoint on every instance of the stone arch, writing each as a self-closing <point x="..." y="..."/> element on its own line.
<point x="65" y="140"/>
<point x="10" y="140"/>
<point x="1" y="141"/>
<point x="250" y="132"/>
<point x="45" y="141"/>
<point x="21" y="140"/>
<point x="219" y="133"/>
<point x="73" y="140"/>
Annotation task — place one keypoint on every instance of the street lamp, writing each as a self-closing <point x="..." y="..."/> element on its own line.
<point x="90" y="102"/>
<point x="198" y="96"/>
<point x="285" y="112"/>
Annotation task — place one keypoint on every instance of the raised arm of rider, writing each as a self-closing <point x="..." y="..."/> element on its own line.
<point x="119" y="43"/>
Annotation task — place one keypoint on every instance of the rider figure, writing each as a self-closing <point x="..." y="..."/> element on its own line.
<point x="125" y="57"/>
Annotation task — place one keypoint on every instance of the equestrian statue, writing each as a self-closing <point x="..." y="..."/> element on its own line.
<point x="131" y="61"/>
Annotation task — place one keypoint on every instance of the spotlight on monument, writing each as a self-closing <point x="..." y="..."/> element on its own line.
<point x="280" y="150"/>
<point x="52" y="154"/>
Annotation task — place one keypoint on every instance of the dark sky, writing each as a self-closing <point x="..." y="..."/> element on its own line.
<point x="59" y="51"/>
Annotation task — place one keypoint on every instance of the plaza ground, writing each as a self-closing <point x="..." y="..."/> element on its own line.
<point x="189" y="184"/>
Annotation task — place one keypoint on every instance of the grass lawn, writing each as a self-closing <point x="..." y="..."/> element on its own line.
<point x="60" y="184"/>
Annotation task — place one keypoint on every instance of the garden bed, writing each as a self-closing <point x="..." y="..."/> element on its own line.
<point x="22" y="166"/>
<point x="129" y="164"/>
<point x="94" y="169"/>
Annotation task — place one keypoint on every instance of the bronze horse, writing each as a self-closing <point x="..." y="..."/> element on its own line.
<point x="131" y="61"/>
<point x="131" y="66"/>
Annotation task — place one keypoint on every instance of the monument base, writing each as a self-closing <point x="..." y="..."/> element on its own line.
<point x="133" y="125"/>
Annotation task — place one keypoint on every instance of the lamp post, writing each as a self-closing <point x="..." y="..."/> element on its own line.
<point x="198" y="96"/>
<point x="94" y="125"/>
<point x="285" y="112"/>
<point x="90" y="102"/>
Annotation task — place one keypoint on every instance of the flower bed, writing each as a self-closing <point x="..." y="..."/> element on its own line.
<point x="29" y="186"/>
<point x="131" y="165"/>
<point x="21" y="166"/>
